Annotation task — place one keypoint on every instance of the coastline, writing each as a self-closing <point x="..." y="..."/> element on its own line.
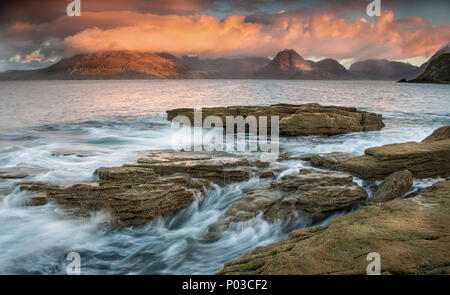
<point x="180" y="179"/>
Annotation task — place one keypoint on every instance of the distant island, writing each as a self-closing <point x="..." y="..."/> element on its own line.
<point x="287" y="64"/>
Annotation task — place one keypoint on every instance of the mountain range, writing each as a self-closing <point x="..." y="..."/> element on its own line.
<point x="381" y="69"/>
<point x="287" y="64"/>
<point x="108" y="65"/>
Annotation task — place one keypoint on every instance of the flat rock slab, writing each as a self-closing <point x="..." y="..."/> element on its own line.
<point x="329" y="160"/>
<point x="218" y="169"/>
<point x="411" y="236"/>
<point x="21" y="172"/>
<point x="429" y="158"/>
<point x="170" y="156"/>
<point x="296" y="120"/>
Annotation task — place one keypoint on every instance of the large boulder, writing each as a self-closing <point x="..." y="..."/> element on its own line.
<point x="296" y="120"/>
<point x="394" y="186"/>
<point x="411" y="235"/>
<point x="317" y="193"/>
<point x="428" y="158"/>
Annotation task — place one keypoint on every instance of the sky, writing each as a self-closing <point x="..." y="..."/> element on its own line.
<point x="37" y="33"/>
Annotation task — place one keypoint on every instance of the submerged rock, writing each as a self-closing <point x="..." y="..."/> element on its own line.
<point x="3" y="191"/>
<point x="394" y="186"/>
<point x="317" y="193"/>
<point x="66" y="153"/>
<point x="429" y="158"/>
<point x="411" y="235"/>
<point x="268" y="174"/>
<point x="297" y="120"/>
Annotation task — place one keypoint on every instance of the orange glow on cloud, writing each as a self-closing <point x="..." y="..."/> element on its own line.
<point x="321" y="34"/>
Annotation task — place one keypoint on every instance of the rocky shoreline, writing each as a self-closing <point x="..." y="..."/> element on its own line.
<point x="410" y="234"/>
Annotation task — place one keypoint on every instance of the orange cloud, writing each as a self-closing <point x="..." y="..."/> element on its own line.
<point x="173" y="33"/>
<point x="321" y="34"/>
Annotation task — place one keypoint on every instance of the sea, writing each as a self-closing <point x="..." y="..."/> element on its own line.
<point x="70" y="128"/>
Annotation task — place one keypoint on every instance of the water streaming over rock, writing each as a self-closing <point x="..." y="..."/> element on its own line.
<point x="71" y="128"/>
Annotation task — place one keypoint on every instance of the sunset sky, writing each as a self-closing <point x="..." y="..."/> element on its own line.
<point x="37" y="33"/>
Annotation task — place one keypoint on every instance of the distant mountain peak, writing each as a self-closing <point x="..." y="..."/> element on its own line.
<point x="288" y="64"/>
<point x="288" y="60"/>
<point x="288" y="52"/>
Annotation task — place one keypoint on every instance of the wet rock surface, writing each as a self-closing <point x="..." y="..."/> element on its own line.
<point x="315" y="192"/>
<point x="127" y="203"/>
<point x="66" y="153"/>
<point x="218" y="169"/>
<point x="394" y="186"/>
<point x="20" y="172"/>
<point x="297" y="120"/>
<point x="329" y="160"/>
<point x="428" y="158"/>
<point x="411" y="235"/>
<point x="315" y="119"/>
<point x="159" y="184"/>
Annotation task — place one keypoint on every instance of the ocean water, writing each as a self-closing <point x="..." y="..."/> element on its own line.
<point x="106" y="121"/>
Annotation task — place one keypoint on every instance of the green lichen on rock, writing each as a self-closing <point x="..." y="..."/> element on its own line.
<point x="411" y="235"/>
